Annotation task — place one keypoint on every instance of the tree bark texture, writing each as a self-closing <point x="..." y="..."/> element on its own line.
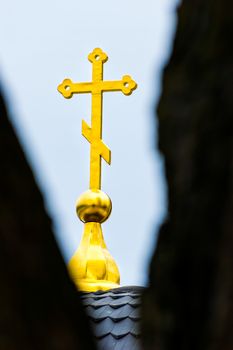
<point x="189" y="304"/>
<point x="40" y="308"/>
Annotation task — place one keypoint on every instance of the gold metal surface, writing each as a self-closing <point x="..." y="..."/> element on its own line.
<point x="93" y="133"/>
<point x="93" y="206"/>
<point x="92" y="267"/>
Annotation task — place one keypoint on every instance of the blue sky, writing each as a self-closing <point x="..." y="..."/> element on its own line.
<point x="43" y="42"/>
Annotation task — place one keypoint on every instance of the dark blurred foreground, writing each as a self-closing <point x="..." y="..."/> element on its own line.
<point x="189" y="304"/>
<point x="39" y="306"/>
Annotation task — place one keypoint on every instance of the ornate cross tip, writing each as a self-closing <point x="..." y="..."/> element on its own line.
<point x="128" y="85"/>
<point x="65" y="88"/>
<point x="97" y="55"/>
<point x="92" y="267"/>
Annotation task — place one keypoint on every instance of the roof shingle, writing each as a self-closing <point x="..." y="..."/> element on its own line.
<point x="115" y="317"/>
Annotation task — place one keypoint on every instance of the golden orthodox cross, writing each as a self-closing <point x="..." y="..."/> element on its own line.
<point x="93" y="133"/>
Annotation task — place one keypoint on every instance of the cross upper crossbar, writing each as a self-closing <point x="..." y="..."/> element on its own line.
<point x="68" y="88"/>
<point x="94" y="133"/>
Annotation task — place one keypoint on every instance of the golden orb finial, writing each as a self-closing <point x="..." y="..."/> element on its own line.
<point x="93" y="206"/>
<point x="92" y="267"/>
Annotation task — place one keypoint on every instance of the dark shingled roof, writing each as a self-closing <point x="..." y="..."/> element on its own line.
<point x="115" y="317"/>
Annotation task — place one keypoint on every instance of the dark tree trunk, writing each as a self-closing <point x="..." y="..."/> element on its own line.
<point x="189" y="304"/>
<point x="39" y="306"/>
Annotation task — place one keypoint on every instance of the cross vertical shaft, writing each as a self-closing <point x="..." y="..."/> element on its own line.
<point x="95" y="158"/>
<point x="96" y="124"/>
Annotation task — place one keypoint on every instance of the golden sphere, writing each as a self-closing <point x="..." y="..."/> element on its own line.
<point x="93" y="206"/>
